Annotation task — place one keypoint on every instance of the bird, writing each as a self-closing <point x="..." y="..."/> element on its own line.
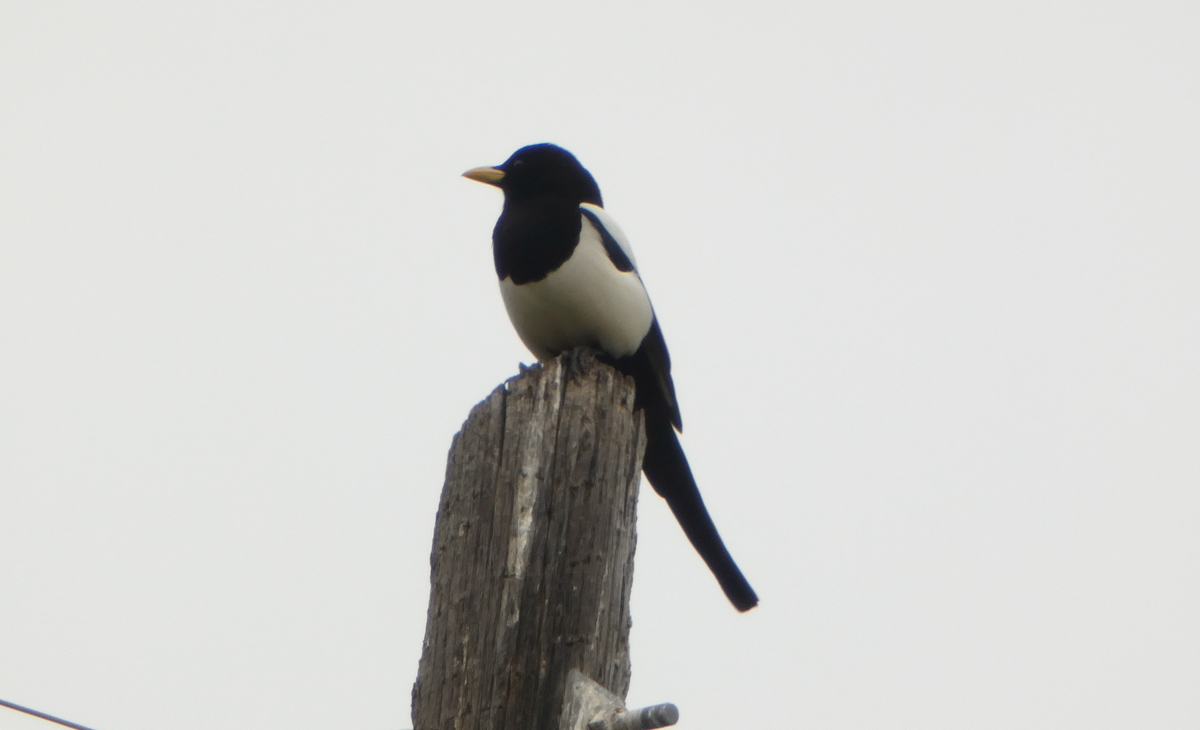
<point x="568" y="278"/>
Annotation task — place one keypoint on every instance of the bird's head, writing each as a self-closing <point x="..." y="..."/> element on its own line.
<point x="540" y="170"/>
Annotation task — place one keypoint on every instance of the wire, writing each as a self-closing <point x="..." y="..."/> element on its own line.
<point x="44" y="716"/>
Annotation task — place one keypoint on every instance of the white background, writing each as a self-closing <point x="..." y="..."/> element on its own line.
<point x="929" y="272"/>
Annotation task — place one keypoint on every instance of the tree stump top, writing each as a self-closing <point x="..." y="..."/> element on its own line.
<point x="532" y="561"/>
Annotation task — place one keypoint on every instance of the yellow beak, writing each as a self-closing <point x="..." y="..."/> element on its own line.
<point x="489" y="175"/>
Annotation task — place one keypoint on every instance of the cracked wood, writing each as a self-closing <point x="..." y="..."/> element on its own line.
<point x="532" y="559"/>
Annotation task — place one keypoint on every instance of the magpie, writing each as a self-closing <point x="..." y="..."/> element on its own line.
<point x="568" y="279"/>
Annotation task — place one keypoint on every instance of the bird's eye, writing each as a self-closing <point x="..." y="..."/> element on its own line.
<point x="518" y="163"/>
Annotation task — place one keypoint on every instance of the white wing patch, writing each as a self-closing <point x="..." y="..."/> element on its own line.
<point x="613" y="229"/>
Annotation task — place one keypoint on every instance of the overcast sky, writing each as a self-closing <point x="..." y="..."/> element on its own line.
<point x="930" y="277"/>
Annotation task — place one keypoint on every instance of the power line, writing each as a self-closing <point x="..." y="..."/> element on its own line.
<point x="44" y="716"/>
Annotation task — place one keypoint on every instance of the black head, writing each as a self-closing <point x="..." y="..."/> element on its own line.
<point x="537" y="170"/>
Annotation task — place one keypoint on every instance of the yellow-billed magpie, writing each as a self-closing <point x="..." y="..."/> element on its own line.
<point x="568" y="278"/>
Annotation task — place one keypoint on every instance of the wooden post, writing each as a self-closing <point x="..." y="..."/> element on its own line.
<point x="533" y="550"/>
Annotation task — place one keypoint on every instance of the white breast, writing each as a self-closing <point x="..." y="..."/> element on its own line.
<point x="586" y="301"/>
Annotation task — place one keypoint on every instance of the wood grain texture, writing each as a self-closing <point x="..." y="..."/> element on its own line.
<point x="533" y="550"/>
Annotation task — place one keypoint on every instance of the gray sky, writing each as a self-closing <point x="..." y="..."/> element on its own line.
<point x="929" y="276"/>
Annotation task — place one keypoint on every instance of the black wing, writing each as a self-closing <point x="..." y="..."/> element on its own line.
<point x="616" y="254"/>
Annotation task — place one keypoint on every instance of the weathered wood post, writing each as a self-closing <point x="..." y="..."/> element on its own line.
<point x="532" y="558"/>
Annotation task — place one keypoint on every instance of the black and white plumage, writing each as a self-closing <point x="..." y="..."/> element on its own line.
<point x="569" y="278"/>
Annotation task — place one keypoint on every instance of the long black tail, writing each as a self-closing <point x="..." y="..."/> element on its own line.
<point x="666" y="468"/>
<point x="668" y="472"/>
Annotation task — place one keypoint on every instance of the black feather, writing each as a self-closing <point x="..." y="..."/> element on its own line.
<point x="667" y="469"/>
<point x="538" y="229"/>
<point x="616" y="254"/>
